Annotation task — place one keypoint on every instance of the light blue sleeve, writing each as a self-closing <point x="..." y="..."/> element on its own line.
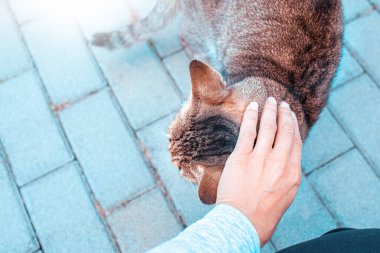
<point x="223" y="229"/>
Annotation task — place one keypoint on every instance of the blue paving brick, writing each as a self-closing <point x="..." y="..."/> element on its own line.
<point x="326" y="140"/>
<point x="307" y="218"/>
<point x="63" y="215"/>
<point x="349" y="68"/>
<point x="184" y="193"/>
<point x="103" y="16"/>
<point x="178" y="66"/>
<point x="144" y="223"/>
<point x="167" y="41"/>
<point x="26" y="11"/>
<point x="351" y="189"/>
<point x="376" y="3"/>
<point x="62" y="59"/>
<point x="13" y="55"/>
<point x="362" y="36"/>
<point x="356" y="106"/>
<point x="28" y="130"/>
<point x="16" y="233"/>
<point x="105" y="149"/>
<point x="268" y="248"/>
<point x="355" y="8"/>
<point x="140" y="83"/>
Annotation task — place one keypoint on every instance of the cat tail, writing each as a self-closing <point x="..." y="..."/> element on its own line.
<point x="163" y="12"/>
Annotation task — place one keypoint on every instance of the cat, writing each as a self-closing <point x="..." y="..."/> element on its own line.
<point x="244" y="50"/>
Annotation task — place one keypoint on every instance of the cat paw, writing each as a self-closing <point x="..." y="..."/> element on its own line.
<point x="112" y="40"/>
<point x="103" y="40"/>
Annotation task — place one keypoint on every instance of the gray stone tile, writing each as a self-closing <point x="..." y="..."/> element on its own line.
<point x="140" y="83"/>
<point x="356" y="106"/>
<point x="106" y="150"/>
<point x="26" y="11"/>
<point x="348" y="69"/>
<point x="30" y="134"/>
<point x="14" y="57"/>
<point x="167" y="41"/>
<point x="16" y="232"/>
<point x="376" y="3"/>
<point x="268" y="248"/>
<point x="306" y="219"/>
<point x="144" y="223"/>
<point x="362" y="36"/>
<point x="102" y="16"/>
<point x="183" y="193"/>
<point x="63" y="215"/>
<point x="351" y="189"/>
<point x="62" y="58"/>
<point x="325" y="141"/>
<point x="354" y="8"/>
<point x="178" y="66"/>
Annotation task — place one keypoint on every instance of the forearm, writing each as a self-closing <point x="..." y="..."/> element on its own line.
<point x="223" y="229"/>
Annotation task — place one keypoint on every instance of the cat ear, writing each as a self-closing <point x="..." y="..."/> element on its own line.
<point x="208" y="186"/>
<point x="207" y="84"/>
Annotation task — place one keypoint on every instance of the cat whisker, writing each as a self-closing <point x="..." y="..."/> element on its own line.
<point x="167" y="108"/>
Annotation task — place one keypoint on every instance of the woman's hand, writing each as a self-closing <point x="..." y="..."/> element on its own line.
<point x="263" y="181"/>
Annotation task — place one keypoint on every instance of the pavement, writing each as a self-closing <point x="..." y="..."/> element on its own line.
<point x="84" y="165"/>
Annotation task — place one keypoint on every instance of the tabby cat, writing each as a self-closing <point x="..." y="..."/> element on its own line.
<point x="246" y="50"/>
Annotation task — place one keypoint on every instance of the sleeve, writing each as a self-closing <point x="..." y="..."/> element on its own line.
<point x="223" y="229"/>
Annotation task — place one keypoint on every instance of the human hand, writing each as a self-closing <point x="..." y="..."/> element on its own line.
<point x="262" y="182"/>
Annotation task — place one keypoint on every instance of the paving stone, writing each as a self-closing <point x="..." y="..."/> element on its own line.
<point x="178" y="66"/>
<point x="63" y="215"/>
<point x="167" y="41"/>
<point x="106" y="150"/>
<point x="144" y="223"/>
<point x="348" y="69"/>
<point x="16" y="233"/>
<point x="354" y="8"/>
<point x="58" y="41"/>
<point x="326" y="140"/>
<point x="183" y="193"/>
<point x="29" y="132"/>
<point x="362" y="35"/>
<point x="268" y="248"/>
<point x="306" y="219"/>
<point x="351" y="189"/>
<point x="376" y="3"/>
<point x="140" y="83"/>
<point x="103" y="16"/>
<point x="14" y="58"/>
<point x="26" y="11"/>
<point x="356" y="106"/>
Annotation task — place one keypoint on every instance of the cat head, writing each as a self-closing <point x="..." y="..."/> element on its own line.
<point x="205" y="130"/>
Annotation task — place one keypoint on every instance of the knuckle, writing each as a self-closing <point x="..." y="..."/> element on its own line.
<point x="252" y="115"/>
<point x="298" y="142"/>
<point x="288" y="127"/>
<point x="270" y="127"/>
<point x="250" y="133"/>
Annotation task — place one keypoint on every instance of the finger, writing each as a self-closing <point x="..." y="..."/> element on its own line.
<point x="268" y="127"/>
<point x="285" y="134"/>
<point x="247" y="134"/>
<point x="296" y="152"/>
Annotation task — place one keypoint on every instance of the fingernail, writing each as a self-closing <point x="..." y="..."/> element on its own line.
<point x="284" y="104"/>
<point x="272" y="100"/>
<point x="253" y="106"/>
